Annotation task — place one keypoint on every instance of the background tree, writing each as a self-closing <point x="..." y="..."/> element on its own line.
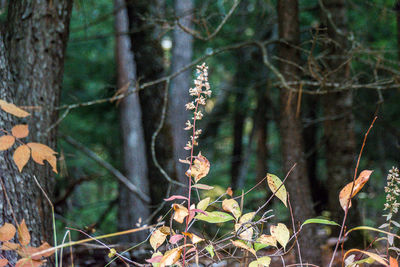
<point x="32" y="47"/>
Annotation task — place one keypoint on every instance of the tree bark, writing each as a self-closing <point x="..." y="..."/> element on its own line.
<point x="32" y="49"/>
<point x="131" y="208"/>
<point x="339" y="127"/>
<point x="149" y="54"/>
<point x="181" y="56"/>
<point x="290" y="127"/>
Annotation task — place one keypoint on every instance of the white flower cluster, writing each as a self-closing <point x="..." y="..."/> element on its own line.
<point x="392" y="190"/>
<point x="201" y="91"/>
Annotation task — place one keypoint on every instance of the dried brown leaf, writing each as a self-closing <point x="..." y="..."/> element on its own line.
<point x="13" y="109"/>
<point x="170" y="257"/>
<point x="157" y="238"/>
<point x="345" y="196"/>
<point x="23" y="234"/>
<point x="200" y="167"/>
<point x="20" y="131"/>
<point x="180" y="213"/>
<point x="6" y="141"/>
<point x="21" y="156"/>
<point x="41" y="152"/>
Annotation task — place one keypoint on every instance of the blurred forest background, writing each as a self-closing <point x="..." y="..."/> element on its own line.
<point x="282" y="93"/>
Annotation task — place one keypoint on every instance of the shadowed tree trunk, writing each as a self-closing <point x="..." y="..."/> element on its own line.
<point x="32" y="49"/>
<point x="148" y="52"/>
<point x="339" y="126"/>
<point x="181" y="56"/>
<point x="290" y="130"/>
<point x="131" y="208"/>
<point x="261" y="133"/>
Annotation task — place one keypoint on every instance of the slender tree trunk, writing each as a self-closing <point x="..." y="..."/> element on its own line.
<point x="149" y="61"/>
<point x="32" y="49"/>
<point x="131" y="208"/>
<point x="261" y="133"/>
<point x="339" y="126"/>
<point x="181" y="56"/>
<point x="290" y="127"/>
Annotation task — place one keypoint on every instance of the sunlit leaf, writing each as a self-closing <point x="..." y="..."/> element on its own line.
<point x="194" y="238"/>
<point x="281" y="233"/>
<point x="21" y="156"/>
<point x="171" y="256"/>
<point x="41" y="152"/>
<point x="180" y="213"/>
<point x="23" y="234"/>
<point x="246" y="230"/>
<point x="247" y="217"/>
<point x="20" y="131"/>
<point x="240" y="244"/>
<point x="175" y="239"/>
<point x="13" y="109"/>
<point x="232" y="206"/>
<point x="261" y="262"/>
<point x="393" y="262"/>
<point x="268" y="240"/>
<point x="203" y="204"/>
<point x="6" y="141"/>
<point x="200" y="168"/>
<point x="320" y="221"/>
<point x="7" y="232"/>
<point x="210" y="250"/>
<point x="215" y="217"/>
<point x="346" y="194"/>
<point x="274" y="183"/>
<point x="374" y="256"/>
<point x="157" y="238"/>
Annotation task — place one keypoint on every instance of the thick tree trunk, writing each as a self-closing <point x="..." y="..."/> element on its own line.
<point x="290" y="127"/>
<point x="32" y="49"/>
<point x="339" y="126"/>
<point x="131" y="208"/>
<point x="181" y="56"/>
<point x="149" y="61"/>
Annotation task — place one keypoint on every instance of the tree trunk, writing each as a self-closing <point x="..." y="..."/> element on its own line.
<point x="339" y="126"/>
<point x="181" y="56"/>
<point x="149" y="61"/>
<point x="131" y="208"/>
<point x="290" y="127"/>
<point x="32" y="49"/>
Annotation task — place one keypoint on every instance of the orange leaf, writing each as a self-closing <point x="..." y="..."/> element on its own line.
<point x="21" y="156"/>
<point x="9" y="246"/>
<point x="13" y="109"/>
<point x="180" y="212"/>
<point x="6" y="141"/>
<point x="200" y="167"/>
<point x="170" y="257"/>
<point x="3" y="262"/>
<point x="25" y="262"/>
<point x="229" y="191"/>
<point x="41" y="152"/>
<point x="7" y="232"/>
<point x="20" y="131"/>
<point x="346" y="194"/>
<point x="393" y="262"/>
<point x="46" y="246"/>
<point x="23" y="234"/>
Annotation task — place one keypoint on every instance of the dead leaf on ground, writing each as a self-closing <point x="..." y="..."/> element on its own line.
<point x="345" y="196"/>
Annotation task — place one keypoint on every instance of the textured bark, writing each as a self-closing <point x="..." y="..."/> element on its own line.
<point x="32" y="49"/>
<point x="339" y="126"/>
<point x="131" y="208"/>
<point x="290" y="127"/>
<point x="149" y="61"/>
<point x="181" y="56"/>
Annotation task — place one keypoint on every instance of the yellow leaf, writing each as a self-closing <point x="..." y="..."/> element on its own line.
<point x="346" y="195"/>
<point x="171" y="256"/>
<point x="242" y="245"/>
<point x="232" y="206"/>
<point x="274" y="183"/>
<point x="267" y="240"/>
<point x="246" y="231"/>
<point x="6" y="141"/>
<point x="261" y="262"/>
<point x="21" y="156"/>
<point x="369" y="254"/>
<point x="23" y="234"/>
<point x="20" y="131"/>
<point x="7" y="232"/>
<point x="247" y="217"/>
<point x="203" y="204"/>
<point x="195" y="239"/>
<point x="157" y="238"/>
<point x="13" y="109"/>
<point x="180" y="213"/>
<point x="41" y="152"/>
<point x="200" y="167"/>
<point x="112" y="253"/>
<point x="281" y="233"/>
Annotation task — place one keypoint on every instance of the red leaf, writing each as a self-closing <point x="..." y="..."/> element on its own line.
<point x="175" y="197"/>
<point x="155" y="259"/>
<point x="175" y="239"/>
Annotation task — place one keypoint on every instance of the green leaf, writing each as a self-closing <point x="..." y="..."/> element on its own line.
<point x="262" y="261"/>
<point x="320" y="221"/>
<point x="258" y="246"/>
<point x="203" y="204"/>
<point x="215" y="217"/>
<point x="274" y="183"/>
<point x="210" y="250"/>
